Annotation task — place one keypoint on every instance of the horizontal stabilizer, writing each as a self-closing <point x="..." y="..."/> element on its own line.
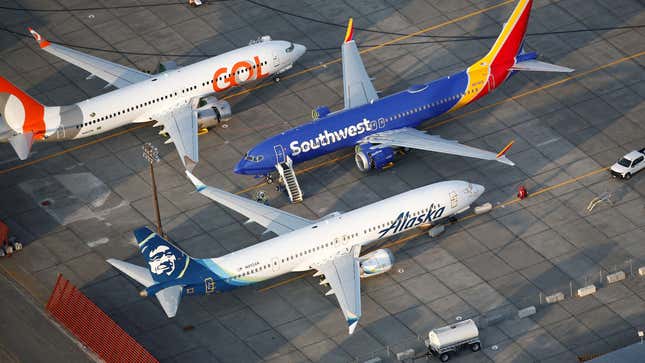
<point x="22" y="144"/>
<point x="533" y="65"/>
<point x="168" y="298"/>
<point x="137" y="273"/>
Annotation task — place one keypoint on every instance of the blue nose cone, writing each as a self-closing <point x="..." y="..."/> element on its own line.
<point x="241" y="167"/>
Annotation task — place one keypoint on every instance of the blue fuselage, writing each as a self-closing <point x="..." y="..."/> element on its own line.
<point x="347" y="128"/>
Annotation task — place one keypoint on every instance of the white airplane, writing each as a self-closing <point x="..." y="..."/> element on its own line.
<point x="181" y="100"/>
<point x="330" y="245"/>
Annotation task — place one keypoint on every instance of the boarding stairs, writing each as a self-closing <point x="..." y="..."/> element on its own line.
<point x="288" y="176"/>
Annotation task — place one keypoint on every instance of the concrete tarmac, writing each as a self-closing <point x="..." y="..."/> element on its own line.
<point x="27" y="334"/>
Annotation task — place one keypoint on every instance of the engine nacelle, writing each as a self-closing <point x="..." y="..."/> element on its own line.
<point x="212" y="111"/>
<point x="367" y="158"/>
<point x="376" y="262"/>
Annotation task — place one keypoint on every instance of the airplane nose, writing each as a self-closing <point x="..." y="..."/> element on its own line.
<point x="478" y="189"/>
<point x="240" y="167"/>
<point x="298" y="51"/>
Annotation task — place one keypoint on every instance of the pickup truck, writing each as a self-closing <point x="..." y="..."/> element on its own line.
<point x="629" y="165"/>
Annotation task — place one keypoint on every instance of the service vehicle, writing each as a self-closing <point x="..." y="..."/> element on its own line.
<point x="629" y="164"/>
<point x="445" y="341"/>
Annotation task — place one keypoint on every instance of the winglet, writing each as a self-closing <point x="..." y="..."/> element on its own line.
<point x="505" y="149"/>
<point x="501" y="157"/>
<point x="349" y="34"/>
<point x="41" y="41"/>
<point x="352" y="323"/>
<point x="196" y="182"/>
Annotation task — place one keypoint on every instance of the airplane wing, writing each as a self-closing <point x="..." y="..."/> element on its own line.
<point x="416" y="139"/>
<point x="114" y="74"/>
<point x="180" y="123"/>
<point x="273" y="219"/>
<point x="357" y="85"/>
<point x="343" y="276"/>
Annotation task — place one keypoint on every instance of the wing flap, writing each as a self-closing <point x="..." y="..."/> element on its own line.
<point x="343" y="275"/>
<point x="181" y="125"/>
<point x="416" y="139"/>
<point x="273" y="219"/>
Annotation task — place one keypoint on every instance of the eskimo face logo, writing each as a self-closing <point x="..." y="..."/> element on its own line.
<point x="162" y="260"/>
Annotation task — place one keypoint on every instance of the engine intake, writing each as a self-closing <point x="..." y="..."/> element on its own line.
<point x="368" y="158"/>
<point x="376" y="262"/>
<point x="212" y="111"/>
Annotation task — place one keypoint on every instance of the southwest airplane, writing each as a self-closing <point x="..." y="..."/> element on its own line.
<point x="181" y="100"/>
<point x="330" y="245"/>
<point x="378" y="127"/>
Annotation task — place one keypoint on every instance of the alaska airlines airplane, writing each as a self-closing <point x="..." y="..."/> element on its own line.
<point x="180" y="99"/>
<point x="330" y="245"/>
<point x="378" y="127"/>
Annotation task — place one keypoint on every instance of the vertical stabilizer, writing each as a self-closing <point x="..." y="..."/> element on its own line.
<point x="23" y="118"/>
<point x="510" y="40"/>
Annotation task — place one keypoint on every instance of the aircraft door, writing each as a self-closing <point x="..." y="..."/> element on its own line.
<point x="209" y="285"/>
<point x="491" y="82"/>
<point x="279" y="154"/>
<point x="60" y="132"/>
<point x="454" y="199"/>
<point x="276" y="59"/>
<point x="275" y="264"/>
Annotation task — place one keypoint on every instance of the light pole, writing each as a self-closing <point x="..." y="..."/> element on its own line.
<point x="151" y="154"/>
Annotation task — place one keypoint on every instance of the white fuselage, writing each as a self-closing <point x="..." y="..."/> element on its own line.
<point x="140" y="102"/>
<point x="307" y="247"/>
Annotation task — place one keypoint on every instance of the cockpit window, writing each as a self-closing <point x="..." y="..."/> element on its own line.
<point x="253" y="158"/>
<point x="290" y="48"/>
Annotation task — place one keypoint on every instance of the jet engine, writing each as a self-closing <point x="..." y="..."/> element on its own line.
<point x="376" y="262"/>
<point x="212" y="111"/>
<point x="368" y="158"/>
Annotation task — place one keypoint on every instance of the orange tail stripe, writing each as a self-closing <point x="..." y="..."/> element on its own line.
<point x="505" y="149"/>
<point x="349" y="34"/>
<point x="34" y="112"/>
